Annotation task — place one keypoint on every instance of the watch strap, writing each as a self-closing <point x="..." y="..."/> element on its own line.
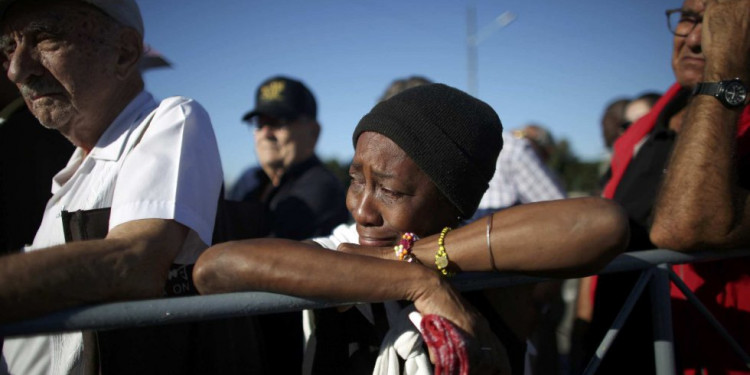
<point x="731" y="93"/>
<point x="707" y="88"/>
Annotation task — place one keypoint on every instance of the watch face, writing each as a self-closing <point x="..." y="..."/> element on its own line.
<point x="735" y="93"/>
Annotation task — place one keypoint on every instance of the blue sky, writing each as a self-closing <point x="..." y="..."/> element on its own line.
<point x="557" y="64"/>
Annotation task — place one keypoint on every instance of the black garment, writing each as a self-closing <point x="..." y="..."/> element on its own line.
<point x="309" y="202"/>
<point x="514" y="346"/>
<point x="30" y="155"/>
<point x="632" y="352"/>
<point x="348" y="344"/>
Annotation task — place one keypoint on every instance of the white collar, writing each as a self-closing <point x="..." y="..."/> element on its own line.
<point x="112" y="142"/>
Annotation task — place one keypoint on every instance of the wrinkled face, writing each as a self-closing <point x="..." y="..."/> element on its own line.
<point x="61" y="56"/>
<point x="281" y="144"/>
<point x="687" y="56"/>
<point x="390" y="195"/>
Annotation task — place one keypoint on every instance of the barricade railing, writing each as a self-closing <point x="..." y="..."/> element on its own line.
<point x="654" y="263"/>
<point x="658" y="277"/>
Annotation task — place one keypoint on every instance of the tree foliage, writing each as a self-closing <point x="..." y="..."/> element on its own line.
<point x="578" y="176"/>
<point x="340" y="169"/>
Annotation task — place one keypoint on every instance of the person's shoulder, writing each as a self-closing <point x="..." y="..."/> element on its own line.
<point x="178" y="110"/>
<point x="184" y="123"/>
<point x="178" y="100"/>
<point x="319" y="181"/>
<point x="250" y="179"/>
<point x="318" y="175"/>
<point x="187" y="105"/>
<point x="322" y="172"/>
<point x="513" y="148"/>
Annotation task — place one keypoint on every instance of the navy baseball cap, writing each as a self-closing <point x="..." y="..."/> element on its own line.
<point x="284" y="98"/>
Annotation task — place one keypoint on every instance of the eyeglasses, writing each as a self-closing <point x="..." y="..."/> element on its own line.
<point x="681" y="22"/>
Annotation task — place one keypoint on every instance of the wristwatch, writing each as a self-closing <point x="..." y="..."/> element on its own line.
<point x="731" y="93"/>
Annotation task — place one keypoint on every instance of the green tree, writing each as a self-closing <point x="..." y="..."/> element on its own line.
<point x="340" y="169"/>
<point x="578" y="176"/>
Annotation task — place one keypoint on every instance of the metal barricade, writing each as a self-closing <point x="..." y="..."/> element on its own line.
<point x="656" y="275"/>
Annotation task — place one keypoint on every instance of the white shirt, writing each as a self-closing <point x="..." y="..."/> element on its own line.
<point x="173" y="172"/>
<point x="520" y="177"/>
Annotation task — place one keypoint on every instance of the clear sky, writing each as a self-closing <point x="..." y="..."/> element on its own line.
<point x="557" y="64"/>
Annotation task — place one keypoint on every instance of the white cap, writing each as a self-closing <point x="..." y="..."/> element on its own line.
<point x="126" y="12"/>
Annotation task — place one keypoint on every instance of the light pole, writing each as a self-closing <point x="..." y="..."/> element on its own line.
<point x="473" y="38"/>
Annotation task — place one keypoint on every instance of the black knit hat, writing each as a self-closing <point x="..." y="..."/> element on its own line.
<point x="453" y="137"/>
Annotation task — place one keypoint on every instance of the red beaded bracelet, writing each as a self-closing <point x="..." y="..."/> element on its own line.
<point x="403" y="248"/>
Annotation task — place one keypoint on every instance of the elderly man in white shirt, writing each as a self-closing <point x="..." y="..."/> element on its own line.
<point x="155" y="165"/>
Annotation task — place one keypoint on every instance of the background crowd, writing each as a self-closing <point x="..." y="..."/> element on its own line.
<point x="143" y="195"/>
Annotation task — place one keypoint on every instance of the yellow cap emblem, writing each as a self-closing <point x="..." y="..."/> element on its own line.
<point x="272" y="91"/>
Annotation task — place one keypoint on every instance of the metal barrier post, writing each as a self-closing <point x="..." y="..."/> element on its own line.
<point x="601" y="351"/>
<point x="661" y="309"/>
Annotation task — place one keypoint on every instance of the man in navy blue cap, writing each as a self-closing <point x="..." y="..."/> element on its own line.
<point x="301" y="197"/>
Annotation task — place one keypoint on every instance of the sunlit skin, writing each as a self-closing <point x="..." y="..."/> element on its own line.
<point x="63" y="57"/>
<point x="688" y="60"/>
<point x="702" y="206"/>
<point x="390" y="195"/>
<point x="636" y="109"/>
<point x="77" y="70"/>
<point x="281" y="144"/>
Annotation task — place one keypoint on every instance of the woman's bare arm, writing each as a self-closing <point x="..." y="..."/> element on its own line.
<point x="563" y="238"/>
<point x="307" y="270"/>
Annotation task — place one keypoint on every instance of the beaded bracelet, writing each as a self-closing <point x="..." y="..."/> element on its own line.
<point x="403" y="248"/>
<point x="441" y="257"/>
